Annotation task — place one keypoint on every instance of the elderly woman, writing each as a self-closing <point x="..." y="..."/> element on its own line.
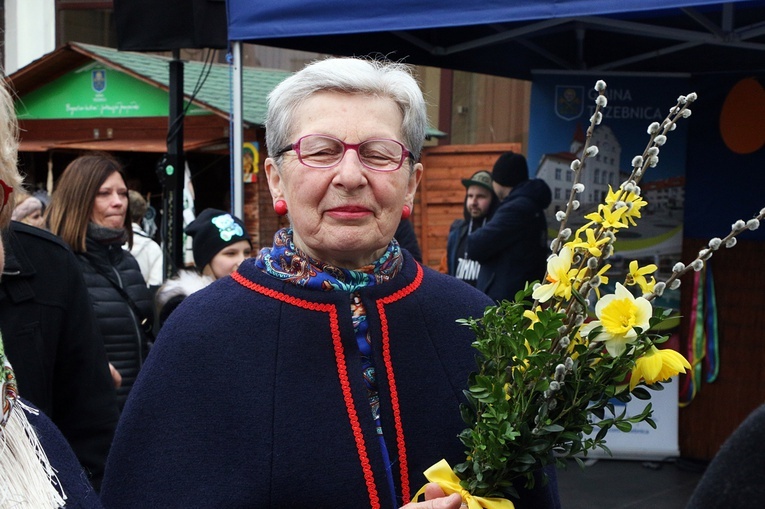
<point x="328" y="370"/>
<point x="89" y="211"/>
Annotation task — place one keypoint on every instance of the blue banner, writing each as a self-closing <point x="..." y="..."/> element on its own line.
<point x="561" y="107"/>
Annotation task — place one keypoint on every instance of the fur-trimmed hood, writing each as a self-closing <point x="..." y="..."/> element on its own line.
<point x="174" y="290"/>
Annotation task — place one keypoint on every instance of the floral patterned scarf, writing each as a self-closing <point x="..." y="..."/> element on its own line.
<point x="287" y="263"/>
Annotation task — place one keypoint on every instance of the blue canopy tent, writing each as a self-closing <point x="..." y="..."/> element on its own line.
<point x="510" y="38"/>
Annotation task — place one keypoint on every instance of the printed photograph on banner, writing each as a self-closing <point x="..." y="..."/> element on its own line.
<point x="561" y="107"/>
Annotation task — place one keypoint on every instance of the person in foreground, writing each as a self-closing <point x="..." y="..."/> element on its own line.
<point x="327" y="371"/>
<point x="734" y="477"/>
<point x="38" y="468"/>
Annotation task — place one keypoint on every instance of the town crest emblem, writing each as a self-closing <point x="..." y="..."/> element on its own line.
<point x="569" y="101"/>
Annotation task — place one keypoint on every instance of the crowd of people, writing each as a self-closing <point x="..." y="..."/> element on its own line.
<point x="333" y="346"/>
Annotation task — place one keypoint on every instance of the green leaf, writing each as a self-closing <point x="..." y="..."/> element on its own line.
<point x="623" y="426"/>
<point x="641" y="393"/>
<point x="526" y="459"/>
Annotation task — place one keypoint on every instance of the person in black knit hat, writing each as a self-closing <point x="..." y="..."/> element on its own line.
<point x="512" y="246"/>
<point x="220" y="243"/>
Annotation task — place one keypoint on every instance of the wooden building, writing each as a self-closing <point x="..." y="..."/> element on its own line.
<point x="82" y="98"/>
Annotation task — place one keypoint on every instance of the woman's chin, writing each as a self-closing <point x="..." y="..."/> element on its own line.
<point x="115" y="225"/>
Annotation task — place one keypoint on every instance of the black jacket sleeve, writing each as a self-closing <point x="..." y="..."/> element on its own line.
<point x="511" y="222"/>
<point x="55" y="346"/>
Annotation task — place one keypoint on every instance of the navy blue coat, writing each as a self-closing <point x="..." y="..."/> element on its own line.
<point x="512" y="247"/>
<point x="253" y="396"/>
<point x="79" y="493"/>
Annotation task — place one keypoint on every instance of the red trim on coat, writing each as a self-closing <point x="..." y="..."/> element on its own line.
<point x="403" y="463"/>
<point x="342" y="372"/>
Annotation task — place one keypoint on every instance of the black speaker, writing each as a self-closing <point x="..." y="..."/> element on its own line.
<point x="164" y="25"/>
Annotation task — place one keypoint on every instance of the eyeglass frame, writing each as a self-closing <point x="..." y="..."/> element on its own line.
<point x="7" y="190"/>
<point x="405" y="152"/>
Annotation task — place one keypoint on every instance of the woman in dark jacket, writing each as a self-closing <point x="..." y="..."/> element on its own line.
<point x="89" y="210"/>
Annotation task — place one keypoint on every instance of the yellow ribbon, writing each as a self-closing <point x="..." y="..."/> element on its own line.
<point x="442" y="474"/>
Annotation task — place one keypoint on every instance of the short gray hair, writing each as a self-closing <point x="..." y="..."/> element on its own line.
<point x="352" y="76"/>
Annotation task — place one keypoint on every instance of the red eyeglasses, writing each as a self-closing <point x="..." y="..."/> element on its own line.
<point x="6" y="194"/>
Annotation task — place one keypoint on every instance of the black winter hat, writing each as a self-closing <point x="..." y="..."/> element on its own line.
<point x="212" y="231"/>
<point x="510" y="170"/>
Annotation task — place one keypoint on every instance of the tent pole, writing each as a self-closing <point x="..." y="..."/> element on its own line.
<point x="237" y="176"/>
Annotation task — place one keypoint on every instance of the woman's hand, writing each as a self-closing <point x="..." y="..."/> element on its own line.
<point x="435" y="498"/>
<point x="116" y="377"/>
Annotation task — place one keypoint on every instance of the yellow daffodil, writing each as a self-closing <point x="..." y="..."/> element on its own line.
<point x="592" y="244"/>
<point x="619" y="314"/>
<point x="560" y="277"/>
<point x="636" y="276"/>
<point x="634" y="201"/>
<point x="657" y="366"/>
<point x="607" y="217"/>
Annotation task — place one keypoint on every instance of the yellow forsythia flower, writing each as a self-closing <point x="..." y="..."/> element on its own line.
<point x="636" y="276"/>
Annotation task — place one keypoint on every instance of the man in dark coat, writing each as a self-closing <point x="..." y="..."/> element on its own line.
<point x="512" y="247"/>
<point x="52" y="337"/>
<point x="480" y="204"/>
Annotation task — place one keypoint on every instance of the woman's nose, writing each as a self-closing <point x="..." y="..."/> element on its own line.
<point x="350" y="171"/>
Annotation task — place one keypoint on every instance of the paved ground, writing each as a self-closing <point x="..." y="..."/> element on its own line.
<point x="620" y="484"/>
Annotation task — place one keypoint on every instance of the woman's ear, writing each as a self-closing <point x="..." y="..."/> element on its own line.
<point x="411" y="187"/>
<point x="274" y="179"/>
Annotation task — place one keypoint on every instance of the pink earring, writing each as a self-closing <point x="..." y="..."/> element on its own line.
<point x="280" y="207"/>
<point x="406" y="212"/>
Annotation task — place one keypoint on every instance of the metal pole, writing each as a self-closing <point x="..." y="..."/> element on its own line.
<point x="174" y="169"/>
<point x="237" y="200"/>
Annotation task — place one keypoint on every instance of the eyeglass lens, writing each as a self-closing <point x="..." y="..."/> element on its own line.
<point x="323" y="152"/>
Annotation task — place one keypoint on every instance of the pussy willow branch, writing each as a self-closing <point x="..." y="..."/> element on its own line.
<point x="704" y="255"/>
<point x="594" y="120"/>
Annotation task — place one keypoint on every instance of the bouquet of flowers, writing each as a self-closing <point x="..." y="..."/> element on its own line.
<point x="548" y="370"/>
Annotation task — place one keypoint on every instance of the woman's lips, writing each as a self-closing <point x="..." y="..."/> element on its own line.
<point x="349" y="212"/>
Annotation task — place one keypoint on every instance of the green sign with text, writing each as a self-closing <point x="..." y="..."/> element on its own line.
<point x="96" y="91"/>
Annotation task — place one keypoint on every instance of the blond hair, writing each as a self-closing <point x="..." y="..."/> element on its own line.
<point x="9" y="149"/>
